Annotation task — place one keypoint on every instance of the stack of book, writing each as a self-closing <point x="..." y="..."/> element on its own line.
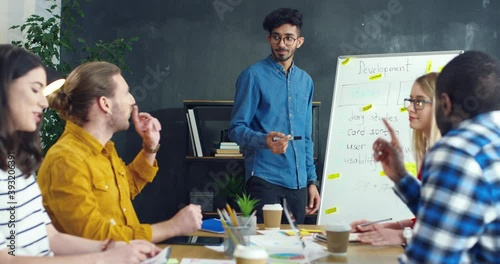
<point x="228" y="149"/>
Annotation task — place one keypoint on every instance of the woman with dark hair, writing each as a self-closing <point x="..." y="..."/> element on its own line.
<point x="26" y="231"/>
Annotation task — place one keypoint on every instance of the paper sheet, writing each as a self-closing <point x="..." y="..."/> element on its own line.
<point x="281" y="247"/>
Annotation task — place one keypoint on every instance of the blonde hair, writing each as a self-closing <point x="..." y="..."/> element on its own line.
<point x="84" y="84"/>
<point x="420" y="142"/>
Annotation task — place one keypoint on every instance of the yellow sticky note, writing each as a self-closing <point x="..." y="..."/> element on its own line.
<point x="403" y="109"/>
<point x="367" y="107"/>
<point x="376" y="76"/>
<point x="334" y="176"/>
<point x="440" y="69"/>
<point x="345" y="61"/>
<point x="302" y="232"/>
<point x="311" y="230"/>
<point x="411" y="167"/>
<point x="429" y="67"/>
<point x="331" y="210"/>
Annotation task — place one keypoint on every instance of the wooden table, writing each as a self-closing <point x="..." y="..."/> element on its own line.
<point x="356" y="253"/>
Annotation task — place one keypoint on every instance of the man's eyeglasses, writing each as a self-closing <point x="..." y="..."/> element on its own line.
<point x="419" y="104"/>
<point x="276" y="39"/>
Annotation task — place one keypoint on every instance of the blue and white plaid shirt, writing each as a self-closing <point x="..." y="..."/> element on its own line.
<point x="458" y="203"/>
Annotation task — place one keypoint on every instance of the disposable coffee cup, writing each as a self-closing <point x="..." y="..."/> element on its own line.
<point x="272" y="216"/>
<point x="337" y="236"/>
<point x="250" y="255"/>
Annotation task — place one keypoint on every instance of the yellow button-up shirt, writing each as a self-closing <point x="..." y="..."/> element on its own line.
<point x="85" y="184"/>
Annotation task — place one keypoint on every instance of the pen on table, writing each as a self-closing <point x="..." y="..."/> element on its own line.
<point x="119" y="231"/>
<point x="289" y="138"/>
<point x="250" y="218"/>
<point x="374" y="222"/>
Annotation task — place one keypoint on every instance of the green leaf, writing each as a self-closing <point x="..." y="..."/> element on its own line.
<point x="246" y="204"/>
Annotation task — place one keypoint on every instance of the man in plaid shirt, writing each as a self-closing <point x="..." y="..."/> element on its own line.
<point x="458" y="202"/>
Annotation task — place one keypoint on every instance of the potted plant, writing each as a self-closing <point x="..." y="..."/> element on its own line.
<point x="247" y="207"/>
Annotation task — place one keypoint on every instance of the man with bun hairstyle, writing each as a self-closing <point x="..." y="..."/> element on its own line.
<point x="86" y="187"/>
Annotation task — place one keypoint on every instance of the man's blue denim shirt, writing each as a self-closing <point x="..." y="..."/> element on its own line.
<point x="267" y="100"/>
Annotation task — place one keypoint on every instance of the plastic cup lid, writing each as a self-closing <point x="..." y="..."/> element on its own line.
<point x="338" y="227"/>
<point x="274" y="207"/>
<point x="250" y="252"/>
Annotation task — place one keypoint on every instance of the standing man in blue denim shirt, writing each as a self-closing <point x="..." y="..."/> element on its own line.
<point x="273" y="104"/>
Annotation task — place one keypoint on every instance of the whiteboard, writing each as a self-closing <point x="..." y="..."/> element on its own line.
<point x="367" y="89"/>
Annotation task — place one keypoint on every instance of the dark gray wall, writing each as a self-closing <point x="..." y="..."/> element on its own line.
<point x="189" y="51"/>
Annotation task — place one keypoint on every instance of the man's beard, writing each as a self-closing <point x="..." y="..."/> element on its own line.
<point x="282" y="57"/>
<point x="444" y="123"/>
<point x="118" y="123"/>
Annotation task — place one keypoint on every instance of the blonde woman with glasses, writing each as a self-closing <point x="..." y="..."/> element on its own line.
<point x="425" y="133"/>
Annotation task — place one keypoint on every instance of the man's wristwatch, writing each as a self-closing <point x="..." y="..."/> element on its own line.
<point x="313" y="183"/>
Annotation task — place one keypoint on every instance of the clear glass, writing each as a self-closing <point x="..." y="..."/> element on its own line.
<point x="234" y="236"/>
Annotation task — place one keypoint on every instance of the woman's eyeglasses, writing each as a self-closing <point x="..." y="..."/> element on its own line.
<point x="419" y="104"/>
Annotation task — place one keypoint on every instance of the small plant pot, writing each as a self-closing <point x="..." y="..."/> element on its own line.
<point x="251" y="221"/>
